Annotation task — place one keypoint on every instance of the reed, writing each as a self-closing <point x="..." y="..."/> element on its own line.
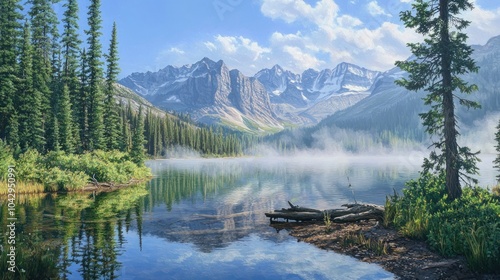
<point x="22" y="188"/>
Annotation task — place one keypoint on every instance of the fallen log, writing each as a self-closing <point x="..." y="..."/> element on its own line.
<point x="352" y="213"/>
<point x="108" y="186"/>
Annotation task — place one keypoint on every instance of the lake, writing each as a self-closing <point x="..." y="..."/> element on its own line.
<point x="203" y="219"/>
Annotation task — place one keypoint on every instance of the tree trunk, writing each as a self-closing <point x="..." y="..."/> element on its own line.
<point x="450" y="132"/>
<point x="354" y="212"/>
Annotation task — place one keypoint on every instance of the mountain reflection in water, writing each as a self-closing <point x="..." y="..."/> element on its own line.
<point x="198" y="219"/>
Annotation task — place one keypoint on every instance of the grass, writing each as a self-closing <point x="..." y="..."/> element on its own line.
<point x="468" y="226"/>
<point x="378" y="247"/>
<point x="328" y="221"/>
<point x="23" y="187"/>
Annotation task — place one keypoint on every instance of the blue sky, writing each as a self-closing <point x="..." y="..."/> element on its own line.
<point x="255" y="34"/>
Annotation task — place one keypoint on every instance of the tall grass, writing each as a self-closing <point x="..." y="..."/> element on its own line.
<point x="22" y="187"/>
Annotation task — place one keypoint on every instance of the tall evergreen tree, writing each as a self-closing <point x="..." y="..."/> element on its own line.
<point x="111" y="119"/>
<point x="53" y="141"/>
<point x="31" y="132"/>
<point x="10" y="33"/>
<point x="126" y="138"/>
<point x="138" y="141"/>
<point x="497" y="147"/>
<point x="95" y="95"/>
<point x="82" y="99"/>
<point x="71" y="50"/>
<point x="66" y="136"/>
<point x="44" y="28"/>
<point x="440" y="61"/>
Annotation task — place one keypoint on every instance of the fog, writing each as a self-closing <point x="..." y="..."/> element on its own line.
<point x="481" y="135"/>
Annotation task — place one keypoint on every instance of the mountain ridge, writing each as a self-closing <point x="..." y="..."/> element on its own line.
<point x="211" y="93"/>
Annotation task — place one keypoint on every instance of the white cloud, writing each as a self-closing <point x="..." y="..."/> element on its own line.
<point x="323" y="14"/>
<point x="348" y="21"/>
<point x="301" y="59"/>
<point x="236" y="51"/>
<point x="341" y="37"/>
<point x="176" y="51"/>
<point x="331" y="37"/>
<point x="484" y="24"/>
<point x="375" y="10"/>
<point x="210" y="46"/>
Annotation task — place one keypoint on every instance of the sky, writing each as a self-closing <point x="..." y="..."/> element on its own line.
<point x="250" y="35"/>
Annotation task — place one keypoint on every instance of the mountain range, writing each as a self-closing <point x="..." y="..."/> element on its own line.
<point x="346" y="96"/>
<point x="211" y="93"/>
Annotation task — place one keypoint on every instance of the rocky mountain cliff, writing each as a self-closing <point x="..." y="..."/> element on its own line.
<point x="313" y="95"/>
<point x="210" y="93"/>
<point x="391" y="112"/>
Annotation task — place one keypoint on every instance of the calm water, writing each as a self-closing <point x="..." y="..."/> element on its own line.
<point x="202" y="219"/>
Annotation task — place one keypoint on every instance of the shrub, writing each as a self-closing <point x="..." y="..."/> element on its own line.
<point x="29" y="167"/>
<point x="58" y="171"/>
<point x="6" y="159"/>
<point x="496" y="190"/>
<point x="468" y="226"/>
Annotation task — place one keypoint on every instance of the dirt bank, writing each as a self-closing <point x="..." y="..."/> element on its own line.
<point x="369" y="242"/>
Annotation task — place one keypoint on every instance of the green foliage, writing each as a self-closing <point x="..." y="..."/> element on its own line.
<point x="29" y="167"/>
<point x="378" y="247"/>
<point x="95" y="94"/>
<point x="496" y="162"/>
<point x="112" y="130"/>
<point x="467" y="226"/>
<point x="59" y="171"/>
<point x="31" y="130"/>
<point x="66" y="122"/>
<point x="439" y="62"/>
<point x="138" y="141"/>
<point x="496" y="190"/>
<point x="110" y="166"/>
<point x="10" y="31"/>
<point x="328" y="222"/>
<point x="6" y="160"/>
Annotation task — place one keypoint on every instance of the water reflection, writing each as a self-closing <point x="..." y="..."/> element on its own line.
<point x="77" y="236"/>
<point x="197" y="219"/>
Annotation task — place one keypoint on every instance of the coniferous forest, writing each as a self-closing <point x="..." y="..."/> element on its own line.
<point x="65" y="123"/>
<point x="58" y="90"/>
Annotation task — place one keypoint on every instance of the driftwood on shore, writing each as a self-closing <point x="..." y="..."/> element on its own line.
<point x="352" y="213"/>
<point x="107" y="186"/>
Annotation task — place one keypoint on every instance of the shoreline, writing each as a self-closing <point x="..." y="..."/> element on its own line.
<point x="100" y="187"/>
<point x="370" y="242"/>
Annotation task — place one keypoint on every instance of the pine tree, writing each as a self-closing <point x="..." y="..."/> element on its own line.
<point x="44" y="28"/>
<point x="440" y="61"/>
<point x="66" y="136"/>
<point x="13" y="132"/>
<point x="125" y="138"/>
<point x="137" y="150"/>
<point x="497" y="147"/>
<point x="10" y="33"/>
<point x="70" y="53"/>
<point x="95" y="95"/>
<point x="53" y="143"/>
<point x="111" y="119"/>
<point x="82" y="99"/>
<point x="31" y="132"/>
